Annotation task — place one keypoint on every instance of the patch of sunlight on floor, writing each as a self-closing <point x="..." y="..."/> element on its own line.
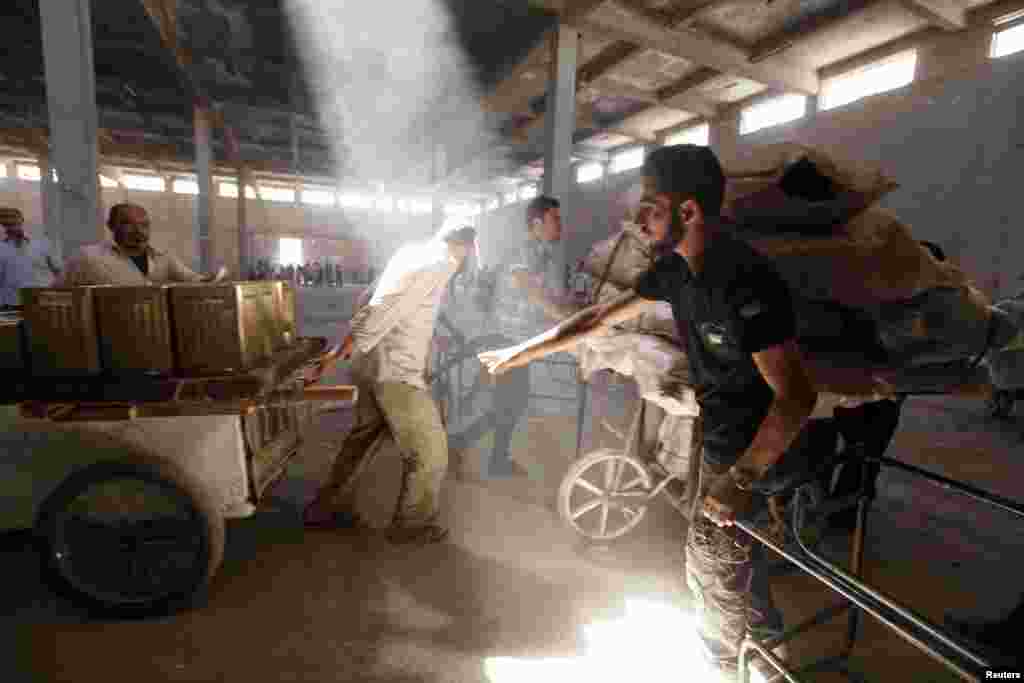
<point x="653" y="641"/>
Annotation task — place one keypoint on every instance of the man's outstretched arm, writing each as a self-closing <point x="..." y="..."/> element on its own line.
<point x="567" y="334"/>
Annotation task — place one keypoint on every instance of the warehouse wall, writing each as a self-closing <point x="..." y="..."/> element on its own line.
<point x="953" y="139"/>
<point x="356" y="239"/>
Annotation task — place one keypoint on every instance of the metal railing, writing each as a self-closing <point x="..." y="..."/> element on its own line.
<point x="911" y="626"/>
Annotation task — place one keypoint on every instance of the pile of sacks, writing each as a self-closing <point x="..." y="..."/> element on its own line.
<point x="845" y="260"/>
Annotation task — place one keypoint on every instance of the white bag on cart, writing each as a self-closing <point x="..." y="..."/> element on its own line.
<point x="644" y="357"/>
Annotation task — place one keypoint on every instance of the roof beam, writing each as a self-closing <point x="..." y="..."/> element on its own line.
<point x="687" y="14"/>
<point x="626" y="23"/>
<point x="676" y="92"/>
<point x="575" y="9"/>
<point x="606" y="60"/>
<point x="950" y="15"/>
<point x="780" y="42"/>
<point x="667" y="97"/>
<point x="585" y="119"/>
<point x="508" y="94"/>
<point x="164" y="15"/>
<point x="677" y="17"/>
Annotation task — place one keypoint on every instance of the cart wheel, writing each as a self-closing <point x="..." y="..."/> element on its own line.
<point x="130" y="537"/>
<point x="604" y="495"/>
<point x="1000" y="405"/>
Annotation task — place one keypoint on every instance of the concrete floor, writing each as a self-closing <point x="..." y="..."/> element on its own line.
<point x="290" y="605"/>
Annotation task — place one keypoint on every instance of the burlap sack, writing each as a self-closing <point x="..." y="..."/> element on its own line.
<point x="851" y="376"/>
<point x="755" y="168"/>
<point x="871" y="260"/>
<point x="630" y="253"/>
<point x="939" y="325"/>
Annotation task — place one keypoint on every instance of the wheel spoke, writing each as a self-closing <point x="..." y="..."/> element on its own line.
<point x="631" y="494"/>
<point x="604" y="517"/>
<point x="629" y="512"/>
<point x="613" y="474"/>
<point x="583" y="483"/>
<point x="594" y="504"/>
<point x="632" y="484"/>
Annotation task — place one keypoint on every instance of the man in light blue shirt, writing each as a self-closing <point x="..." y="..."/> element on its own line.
<point x="24" y="261"/>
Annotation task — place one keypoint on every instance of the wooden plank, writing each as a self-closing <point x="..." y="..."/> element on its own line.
<point x="950" y="15"/>
<point x="250" y="385"/>
<point x="102" y="411"/>
<point x="616" y="21"/>
<point x="337" y="392"/>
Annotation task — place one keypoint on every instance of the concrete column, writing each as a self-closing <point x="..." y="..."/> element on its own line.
<point x="439" y="171"/>
<point x="71" y="100"/>
<point x="243" y="227"/>
<point x="560" y="124"/>
<point x="203" y="130"/>
<point x="50" y="200"/>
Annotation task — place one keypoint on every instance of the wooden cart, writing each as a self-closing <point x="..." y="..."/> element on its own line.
<point x="128" y="483"/>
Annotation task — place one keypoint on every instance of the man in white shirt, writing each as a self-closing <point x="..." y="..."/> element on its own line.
<point x="390" y="346"/>
<point x="129" y="260"/>
<point x="24" y="261"/>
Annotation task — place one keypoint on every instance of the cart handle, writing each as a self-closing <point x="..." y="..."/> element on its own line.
<point x="117" y="411"/>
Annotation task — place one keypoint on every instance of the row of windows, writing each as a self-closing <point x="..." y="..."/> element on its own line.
<point x="309" y="195"/>
<point x="888" y="74"/>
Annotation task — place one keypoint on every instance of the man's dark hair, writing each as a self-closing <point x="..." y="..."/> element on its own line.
<point x="539" y="206"/>
<point x="116" y="209"/>
<point x="688" y="172"/>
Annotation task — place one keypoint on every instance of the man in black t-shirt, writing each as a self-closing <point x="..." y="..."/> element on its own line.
<point x="735" y="310"/>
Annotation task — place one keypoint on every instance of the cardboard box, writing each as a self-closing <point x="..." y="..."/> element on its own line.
<point x="60" y="326"/>
<point x="224" y="328"/>
<point x="135" y="333"/>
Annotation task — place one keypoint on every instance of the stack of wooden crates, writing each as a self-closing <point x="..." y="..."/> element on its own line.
<point x="187" y="330"/>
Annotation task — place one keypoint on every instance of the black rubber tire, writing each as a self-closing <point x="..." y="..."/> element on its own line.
<point x="206" y="524"/>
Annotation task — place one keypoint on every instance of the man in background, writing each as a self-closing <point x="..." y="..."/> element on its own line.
<point x="128" y="260"/>
<point x="534" y="296"/>
<point x="390" y="346"/>
<point x="24" y="261"/>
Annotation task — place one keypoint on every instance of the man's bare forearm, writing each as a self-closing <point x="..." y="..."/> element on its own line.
<point x="780" y="428"/>
<point x="578" y="327"/>
<point x="566" y="334"/>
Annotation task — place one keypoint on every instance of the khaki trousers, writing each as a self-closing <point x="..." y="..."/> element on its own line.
<point x="409" y="416"/>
